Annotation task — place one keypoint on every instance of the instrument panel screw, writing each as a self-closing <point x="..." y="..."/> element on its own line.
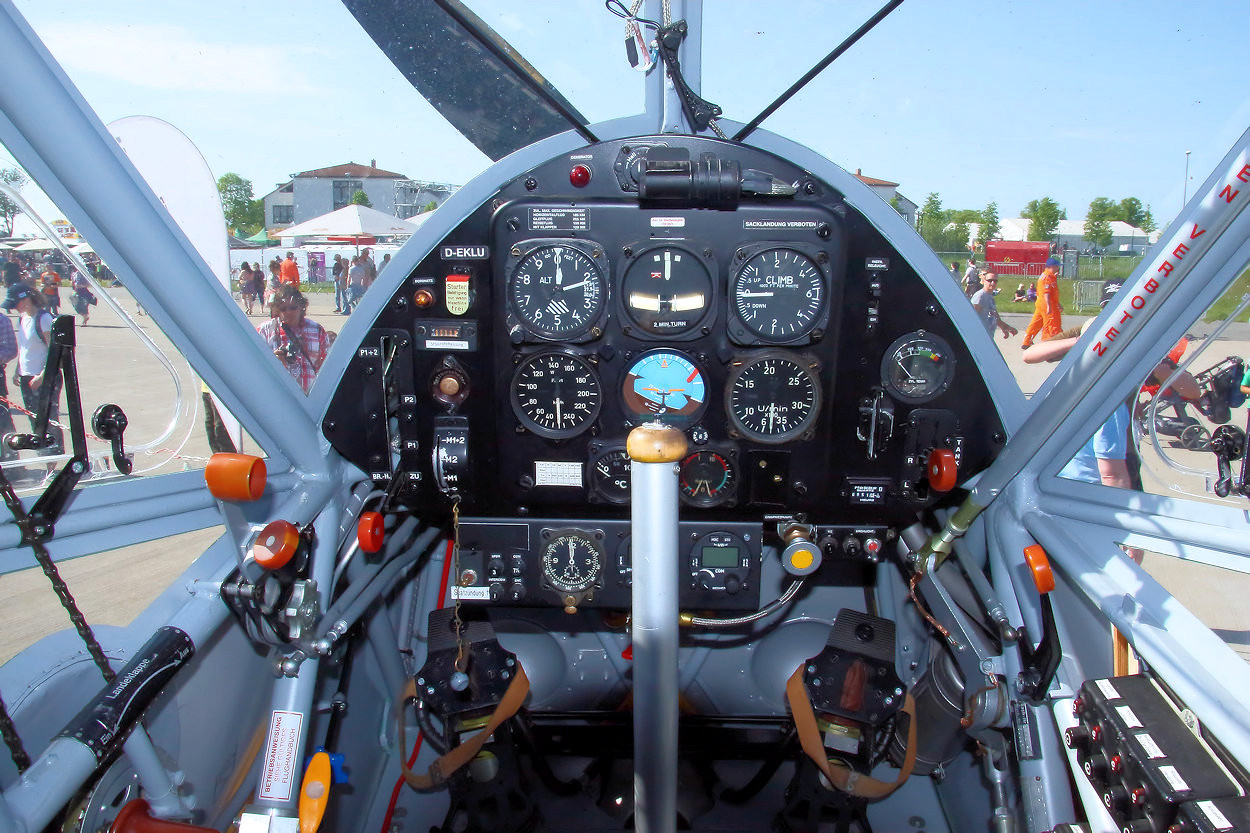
<point x="823" y="231"/>
<point x="513" y="224"/>
<point x="707" y="253"/>
<point x="809" y="187"/>
<point x="627" y="252"/>
<point x="530" y="183"/>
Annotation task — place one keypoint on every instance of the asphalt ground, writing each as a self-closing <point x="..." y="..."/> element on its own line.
<point x="113" y="587"/>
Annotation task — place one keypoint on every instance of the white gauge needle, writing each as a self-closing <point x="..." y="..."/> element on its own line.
<point x="559" y="274"/>
<point x="745" y="294"/>
<point x="559" y="416"/>
<point x="668" y="262"/>
<point x="578" y="285"/>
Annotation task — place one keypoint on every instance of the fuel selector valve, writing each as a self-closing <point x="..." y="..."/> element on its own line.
<point x="876" y="423"/>
<point x="801" y="556"/>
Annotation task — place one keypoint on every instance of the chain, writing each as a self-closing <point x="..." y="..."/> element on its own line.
<point x="455" y="565"/>
<point x="12" y="740"/>
<point x="26" y="525"/>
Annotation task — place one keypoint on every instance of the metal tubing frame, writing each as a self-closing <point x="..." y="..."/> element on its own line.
<point x="653" y="515"/>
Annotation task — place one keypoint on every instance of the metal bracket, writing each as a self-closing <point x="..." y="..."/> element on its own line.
<point x="699" y="112"/>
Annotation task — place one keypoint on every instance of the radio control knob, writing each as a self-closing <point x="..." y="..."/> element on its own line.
<point x="732" y="584"/>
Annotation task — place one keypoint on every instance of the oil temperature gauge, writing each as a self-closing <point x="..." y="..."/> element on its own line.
<point x="707" y="478"/>
<point x="918" y="367"/>
<point x="609" y="476"/>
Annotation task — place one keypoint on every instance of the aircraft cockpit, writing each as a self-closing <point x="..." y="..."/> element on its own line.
<point x="664" y="478"/>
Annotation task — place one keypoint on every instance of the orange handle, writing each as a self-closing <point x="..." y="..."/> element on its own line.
<point x="1039" y="567"/>
<point x="276" y="545"/>
<point x="235" y="476"/>
<point x="942" y="470"/>
<point x="371" y="531"/>
<point x="314" y="793"/>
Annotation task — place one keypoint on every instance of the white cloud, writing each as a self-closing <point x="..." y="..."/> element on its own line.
<point x="172" y="58"/>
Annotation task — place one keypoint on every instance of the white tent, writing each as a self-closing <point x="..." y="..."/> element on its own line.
<point x="36" y="245"/>
<point x="349" y="221"/>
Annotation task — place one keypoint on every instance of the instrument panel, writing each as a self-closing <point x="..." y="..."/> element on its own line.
<point x="811" y="369"/>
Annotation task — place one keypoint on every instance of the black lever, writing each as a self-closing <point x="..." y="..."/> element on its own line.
<point x="700" y="112"/>
<point x="1228" y="443"/>
<point x="62" y="370"/>
<point x="109" y="423"/>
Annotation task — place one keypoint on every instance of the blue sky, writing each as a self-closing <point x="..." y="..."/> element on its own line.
<point x="979" y="101"/>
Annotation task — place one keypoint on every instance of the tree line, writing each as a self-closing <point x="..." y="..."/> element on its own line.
<point x="947" y="230"/>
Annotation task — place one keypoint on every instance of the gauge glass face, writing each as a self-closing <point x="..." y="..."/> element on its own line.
<point x="610" y="475"/>
<point x="572" y="561"/>
<point x="772" y="398"/>
<point x="918" y="367"/>
<point x="706" y="478"/>
<point x="779" y="295"/>
<point x="556" y="292"/>
<point x="666" y="291"/>
<point x="664" y="385"/>
<point x="556" y="395"/>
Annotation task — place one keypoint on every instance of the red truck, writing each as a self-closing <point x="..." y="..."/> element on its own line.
<point x="1017" y="257"/>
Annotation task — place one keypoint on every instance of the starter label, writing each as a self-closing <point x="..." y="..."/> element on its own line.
<point x="280" y="770"/>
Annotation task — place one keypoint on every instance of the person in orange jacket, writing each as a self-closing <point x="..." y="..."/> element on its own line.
<point x="1047" y="311"/>
<point x="289" y="270"/>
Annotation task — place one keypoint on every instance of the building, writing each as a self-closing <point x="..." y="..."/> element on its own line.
<point x="412" y="196"/>
<point x="888" y="191"/>
<point x="313" y="193"/>
<point x="1125" y="239"/>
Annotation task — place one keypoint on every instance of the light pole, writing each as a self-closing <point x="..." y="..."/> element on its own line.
<point x="1185" y="189"/>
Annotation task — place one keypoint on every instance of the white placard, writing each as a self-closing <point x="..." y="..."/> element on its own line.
<point x="282" y="756"/>
<point x="557" y="473"/>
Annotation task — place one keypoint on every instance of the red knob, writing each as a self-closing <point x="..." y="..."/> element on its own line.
<point x="942" y="470"/>
<point x="371" y="531"/>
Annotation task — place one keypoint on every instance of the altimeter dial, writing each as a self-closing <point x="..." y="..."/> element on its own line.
<point x="556" y="292"/>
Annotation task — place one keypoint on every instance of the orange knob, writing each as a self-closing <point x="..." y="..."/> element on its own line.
<point x="276" y="545"/>
<point x="371" y="531"/>
<point x="314" y="793"/>
<point x="1039" y="567"/>
<point x="942" y="470"/>
<point x="135" y="818"/>
<point x="235" y="476"/>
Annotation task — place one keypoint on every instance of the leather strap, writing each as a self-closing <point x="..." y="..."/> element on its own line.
<point x="443" y="768"/>
<point x="840" y="775"/>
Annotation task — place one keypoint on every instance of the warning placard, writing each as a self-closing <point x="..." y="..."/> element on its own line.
<point x="281" y="767"/>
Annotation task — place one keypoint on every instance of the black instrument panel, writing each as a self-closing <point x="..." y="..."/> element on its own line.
<point x="810" y="368"/>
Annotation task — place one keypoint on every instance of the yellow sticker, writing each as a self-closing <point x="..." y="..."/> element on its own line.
<point x="457" y="294"/>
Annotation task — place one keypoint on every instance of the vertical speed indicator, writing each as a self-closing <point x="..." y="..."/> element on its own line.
<point x="779" y="296"/>
<point x="773" y="397"/>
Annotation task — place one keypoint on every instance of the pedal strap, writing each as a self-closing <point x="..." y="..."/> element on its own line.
<point x="444" y="767"/>
<point x="841" y="776"/>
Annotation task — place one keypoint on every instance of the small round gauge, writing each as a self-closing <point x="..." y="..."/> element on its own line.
<point x="918" y="367"/>
<point x="665" y="385"/>
<point x="772" y="397"/>
<point x="610" y="475"/>
<point x="666" y="291"/>
<point x="557" y="292"/>
<point x="706" y="478"/>
<point x="779" y="295"/>
<point x="572" y="560"/>
<point x="556" y="394"/>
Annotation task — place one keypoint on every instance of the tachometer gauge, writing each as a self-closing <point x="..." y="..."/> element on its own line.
<point x="772" y="397"/>
<point x="610" y="475"/>
<point x="572" y="560"/>
<point x="707" y="478"/>
<point x="664" y="385"/>
<point x="556" y="394"/>
<point x="556" y="292"/>
<point x="666" y="291"/>
<point x="779" y="295"/>
<point x="918" y="367"/>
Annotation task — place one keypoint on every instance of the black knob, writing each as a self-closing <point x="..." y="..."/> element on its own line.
<point x="732" y="584"/>
<point x="1077" y="737"/>
<point x="517" y="592"/>
<point x="496" y="592"/>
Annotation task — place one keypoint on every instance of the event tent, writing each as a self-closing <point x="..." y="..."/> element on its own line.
<point x="350" y="221"/>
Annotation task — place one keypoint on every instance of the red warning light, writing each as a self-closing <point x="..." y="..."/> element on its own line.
<point x="579" y="176"/>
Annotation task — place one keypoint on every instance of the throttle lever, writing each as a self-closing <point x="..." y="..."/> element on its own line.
<point x="1229" y="444"/>
<point x="109" y="423"/>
